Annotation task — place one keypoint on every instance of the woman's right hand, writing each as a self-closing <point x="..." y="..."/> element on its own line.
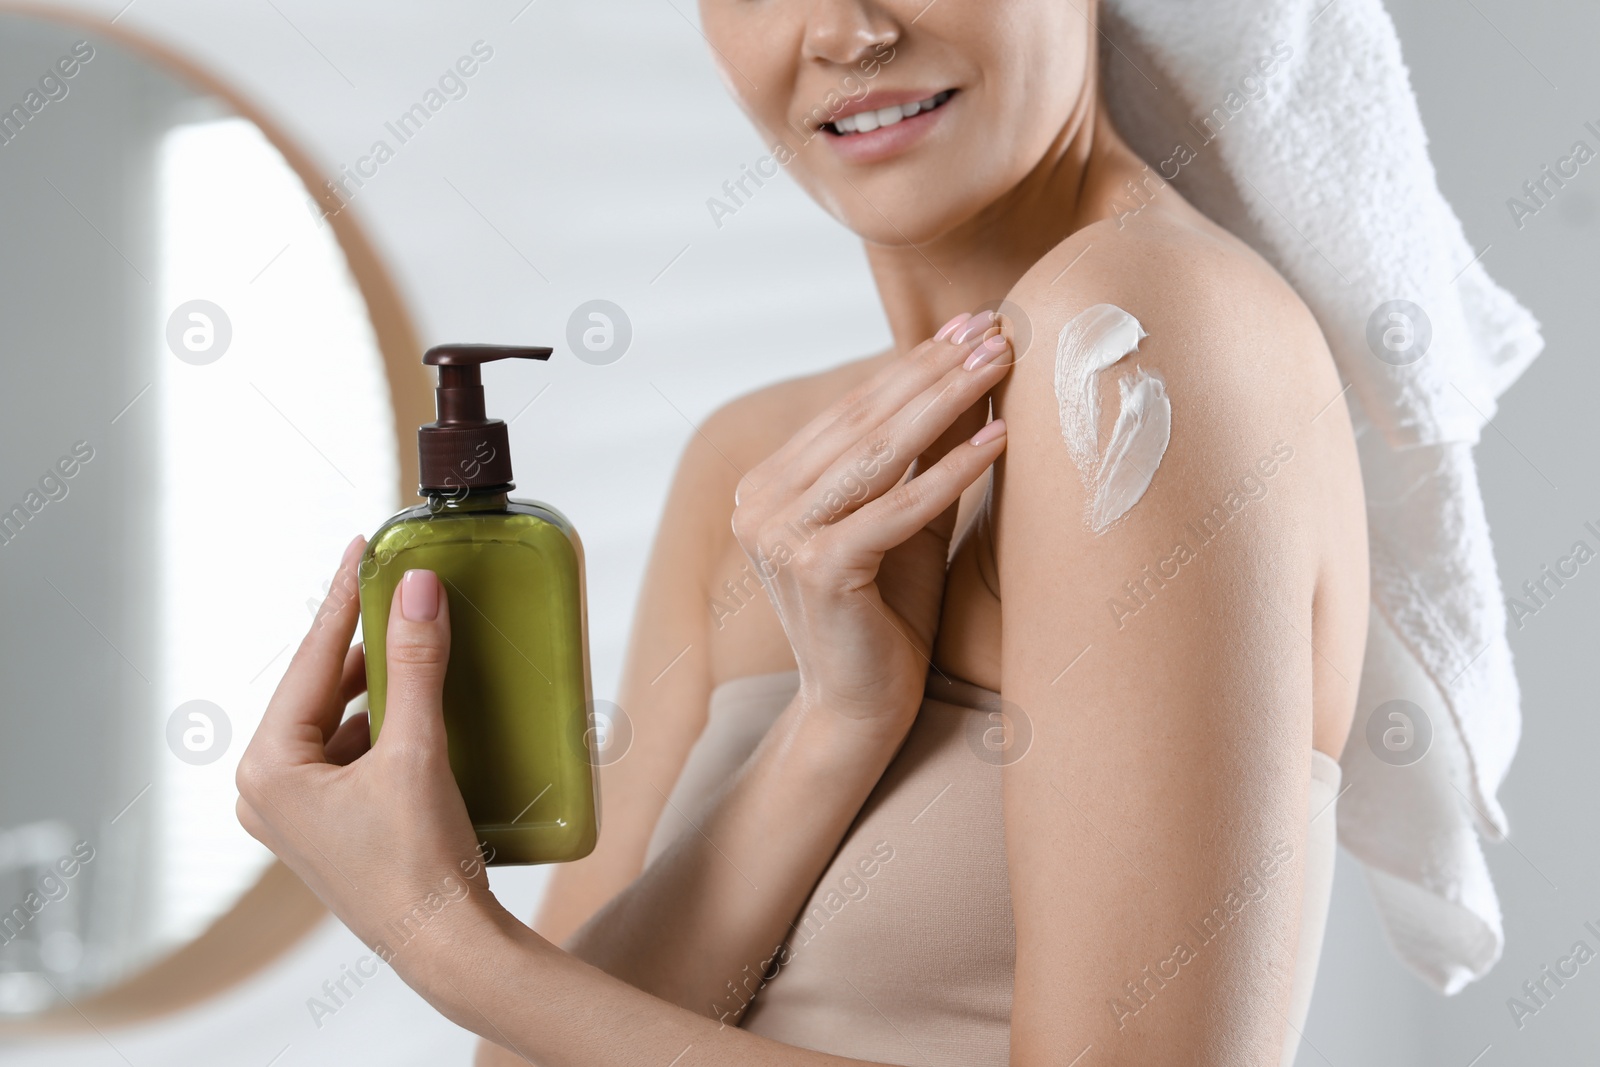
<point x="851" y="551"/>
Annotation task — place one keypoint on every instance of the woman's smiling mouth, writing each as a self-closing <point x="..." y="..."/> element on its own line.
<point x="868" y="120"/>
<point x="882" y="125"/>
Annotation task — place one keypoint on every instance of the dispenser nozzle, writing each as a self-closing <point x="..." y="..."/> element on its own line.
<point x="462" y="448"/>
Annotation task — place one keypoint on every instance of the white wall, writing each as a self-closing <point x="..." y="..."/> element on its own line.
<point x="578" y="167"/>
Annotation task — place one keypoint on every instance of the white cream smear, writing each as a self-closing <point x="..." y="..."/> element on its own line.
<point x="1094" y="341"/>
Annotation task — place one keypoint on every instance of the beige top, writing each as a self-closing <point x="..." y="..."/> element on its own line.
<point x="904" y="952"/>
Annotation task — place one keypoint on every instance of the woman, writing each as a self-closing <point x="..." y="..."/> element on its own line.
<point x="1147" y="843"/>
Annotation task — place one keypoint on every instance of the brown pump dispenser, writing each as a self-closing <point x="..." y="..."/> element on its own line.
<point x="463" y="449"/>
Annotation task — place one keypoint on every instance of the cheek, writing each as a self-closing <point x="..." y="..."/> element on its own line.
<point x="1031" y="89"/>
<point x="755" y="49"/>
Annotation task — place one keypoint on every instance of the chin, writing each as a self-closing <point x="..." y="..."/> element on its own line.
<point x="914" y="205"/>
<point x="913" y="180"/>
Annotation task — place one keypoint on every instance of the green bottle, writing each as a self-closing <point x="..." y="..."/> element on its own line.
<point x="516" y="692"/>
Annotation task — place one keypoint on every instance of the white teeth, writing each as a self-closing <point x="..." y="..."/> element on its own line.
<point x="867" y="121"/>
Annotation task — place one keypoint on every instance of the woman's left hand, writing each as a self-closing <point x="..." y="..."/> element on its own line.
<point x="380" y="833"/>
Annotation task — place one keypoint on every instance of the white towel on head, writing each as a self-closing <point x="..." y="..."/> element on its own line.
<point x="1293" y="124"/>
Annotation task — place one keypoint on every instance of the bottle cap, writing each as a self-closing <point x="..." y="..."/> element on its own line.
<point x="463" y="449"/>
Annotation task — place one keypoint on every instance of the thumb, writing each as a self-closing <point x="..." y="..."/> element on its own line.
<point x="417" y="650"/>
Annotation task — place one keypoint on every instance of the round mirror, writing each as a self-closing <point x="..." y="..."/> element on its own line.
<point x="206" y="370"/>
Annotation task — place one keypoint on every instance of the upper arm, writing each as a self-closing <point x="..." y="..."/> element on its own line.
<point x="1164" y="668"/>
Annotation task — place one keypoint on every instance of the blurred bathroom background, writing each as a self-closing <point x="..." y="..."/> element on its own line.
<point x="575" y="165"/>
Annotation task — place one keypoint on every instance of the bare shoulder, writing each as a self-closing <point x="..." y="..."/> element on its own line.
<point x="1242" y="359"/>
<point x="1220" y="321"/>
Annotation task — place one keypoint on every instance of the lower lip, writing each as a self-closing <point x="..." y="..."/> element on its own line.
<point x="886" y="141"/>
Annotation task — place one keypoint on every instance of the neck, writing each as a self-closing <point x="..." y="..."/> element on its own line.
<point x="977" y="263"/>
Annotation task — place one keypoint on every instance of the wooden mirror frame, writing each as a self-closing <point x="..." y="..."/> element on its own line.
<point x="278" y="911"/>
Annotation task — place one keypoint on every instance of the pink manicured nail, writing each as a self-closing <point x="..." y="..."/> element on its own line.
<point x="990" y="431"/>
<point x="976" y="326"/>
<point x="986" y="352"/>
<point x="419" y="595"/>
<point x="950" y="327"/>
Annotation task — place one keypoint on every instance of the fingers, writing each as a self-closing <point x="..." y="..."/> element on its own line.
<point x="806" y="436"/>
<point x="970" y="421"/>
<point x="875" y="463"/>
<point x="417" y="651"/>
<point x="305" y="710"/>
<point x="803" y="459"/>
<point x="893" y="518"/>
